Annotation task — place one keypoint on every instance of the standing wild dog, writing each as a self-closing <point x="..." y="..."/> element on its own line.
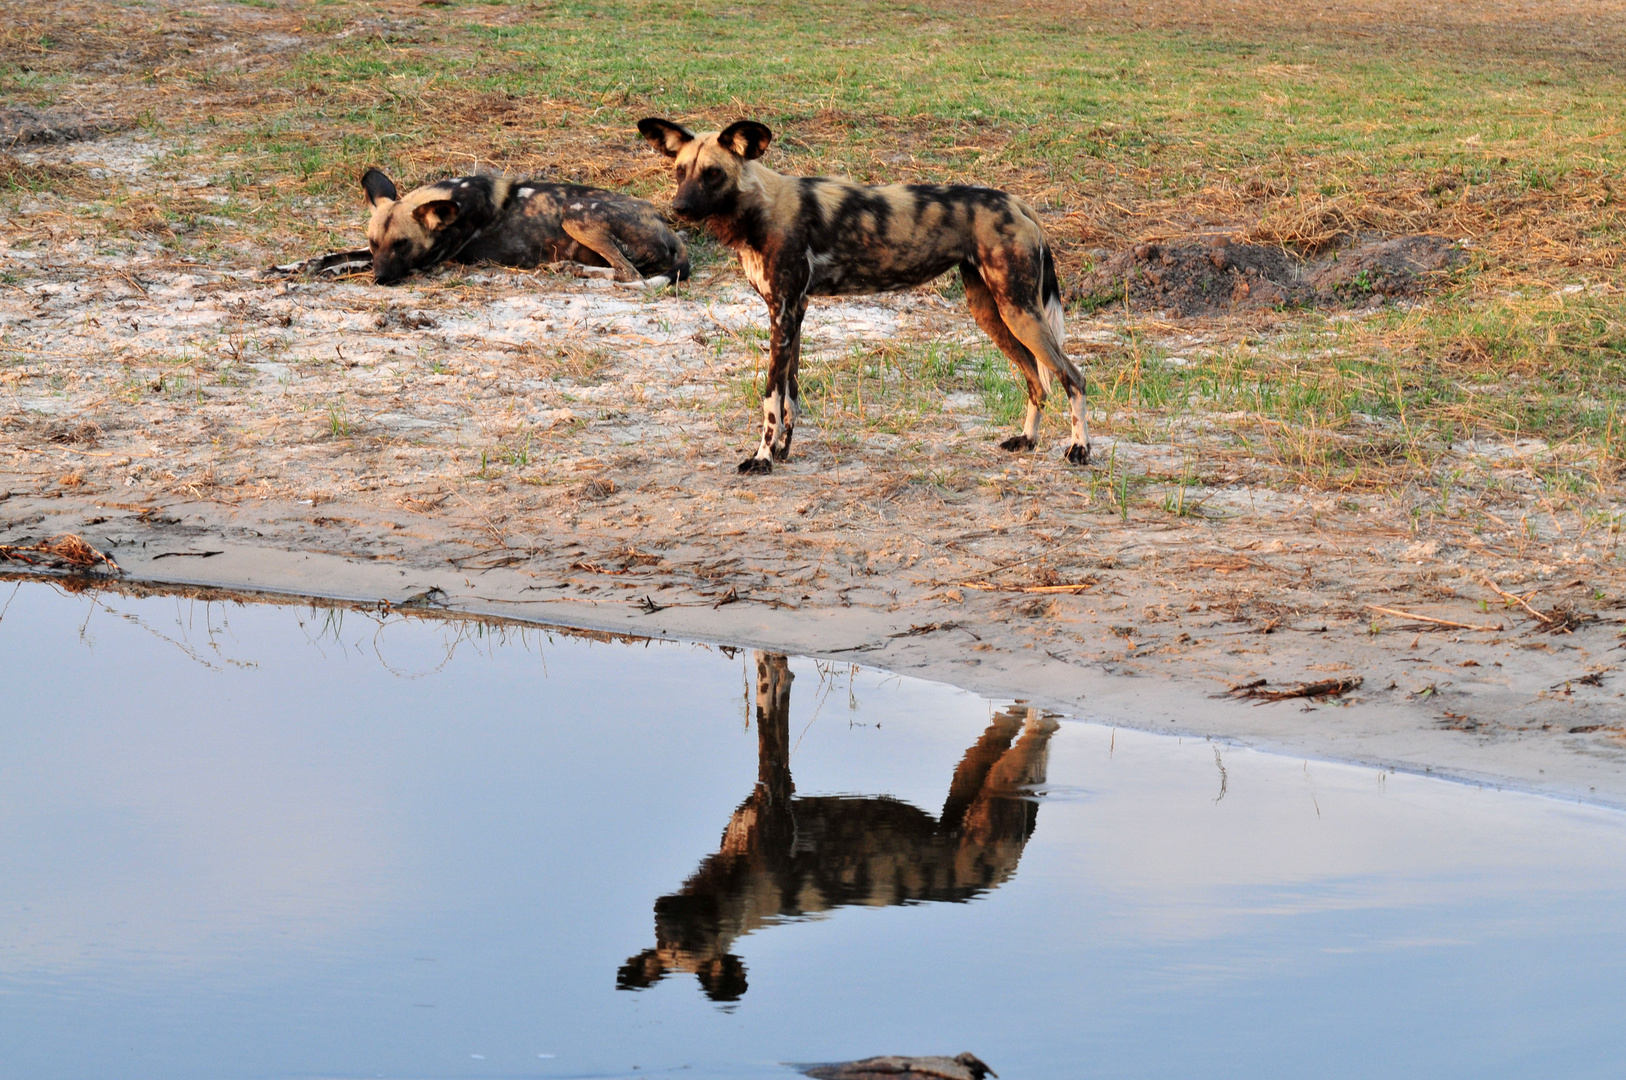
<point x="522" y="223"/>
<point x="814" y="236"/>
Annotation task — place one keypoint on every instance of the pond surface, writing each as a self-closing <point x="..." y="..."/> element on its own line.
<point x="278" y="841"/>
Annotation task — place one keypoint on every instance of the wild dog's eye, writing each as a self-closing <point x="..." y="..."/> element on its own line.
<point x="712" y="174"/>
<point x="681" y="171"/>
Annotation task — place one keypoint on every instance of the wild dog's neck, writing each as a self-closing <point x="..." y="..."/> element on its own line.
<point x="481" y="201"/>
<point x="477" y="213"/>
<point x="501" y="188"/>
<point x="746" y="225"/>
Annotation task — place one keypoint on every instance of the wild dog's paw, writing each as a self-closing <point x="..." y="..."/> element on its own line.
<point x="756" y="464"/>
<point x="781" y="453"/>
<point x="1077" y="454"/>
<point x="1017" y="443"/>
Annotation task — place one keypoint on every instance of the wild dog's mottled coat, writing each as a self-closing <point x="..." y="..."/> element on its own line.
<point x="520" y="223"/>
<point x="813" y="236"/>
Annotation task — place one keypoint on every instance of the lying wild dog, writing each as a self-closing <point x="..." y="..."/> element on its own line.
<point x="521" y="223"/>
<point x="813" y="236"/>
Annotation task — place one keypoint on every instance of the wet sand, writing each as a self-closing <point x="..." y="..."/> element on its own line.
<point x="1497" y="708"/>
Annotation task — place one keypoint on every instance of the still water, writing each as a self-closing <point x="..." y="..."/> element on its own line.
<point x="275" y="841"/>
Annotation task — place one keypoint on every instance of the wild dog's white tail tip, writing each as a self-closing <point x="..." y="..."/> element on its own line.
<point x="1053" y="318"/>
<point x="659" y="281"/>
<point x="1053" y="314"/>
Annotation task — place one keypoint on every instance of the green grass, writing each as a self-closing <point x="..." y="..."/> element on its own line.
<point x="1066" y="100"/>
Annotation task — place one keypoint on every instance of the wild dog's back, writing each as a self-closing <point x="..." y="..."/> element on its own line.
<point x="544" y="221"/>
<point x="896" y="236"/>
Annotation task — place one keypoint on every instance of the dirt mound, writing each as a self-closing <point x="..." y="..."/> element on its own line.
<point x="1391" y="268"/>
<point x="22" y="126"/>
<point x="1214" y="275"/>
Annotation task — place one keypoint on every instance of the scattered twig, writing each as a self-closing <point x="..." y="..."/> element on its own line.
<point x="133" y="280"/>
<point x="730" y="597"/>
<point x="988" y="586"/>
<point x="1563" y="619"/>
<point x="510" y="559"/>
<point x="184" y="554"/>
<point x="1041" y="553"/>
<point x="1444" y="623"/>
<point x="932" y="628"/>
<point x="1322" y="689"/>
<point x="1594" y="678"/>
<point x="595" y="568"/>
<point x="1514" y="598"/>
<point x="866" y="647"/>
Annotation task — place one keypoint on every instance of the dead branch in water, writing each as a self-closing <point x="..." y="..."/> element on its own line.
<point x="65" y="552"/>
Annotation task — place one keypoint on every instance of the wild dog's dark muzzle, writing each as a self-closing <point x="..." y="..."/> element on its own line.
<point x="698" y="198"/>
<point x="691" y="200"/>
<point x="389" y="272"/>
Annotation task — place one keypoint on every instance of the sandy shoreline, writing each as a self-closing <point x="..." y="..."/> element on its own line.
<point x="1154" y="685"/>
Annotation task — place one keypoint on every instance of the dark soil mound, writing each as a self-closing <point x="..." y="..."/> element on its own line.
<point x="1216" y="275"/>
<point x="1390" y="268"/>
<point x="22" y="126"/>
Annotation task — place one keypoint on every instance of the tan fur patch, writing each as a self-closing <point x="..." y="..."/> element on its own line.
<point x="395" y="220"/>
<point x="830" y="197"/>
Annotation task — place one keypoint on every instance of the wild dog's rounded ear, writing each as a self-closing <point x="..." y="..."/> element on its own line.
<point x="664" y="135"/>
<point x="435" y="215"/>
<point x="746" y="138"/>
<point x="378" y="186"/>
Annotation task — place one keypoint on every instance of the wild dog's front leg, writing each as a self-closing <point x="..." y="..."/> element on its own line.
<point x="787" y="304"/>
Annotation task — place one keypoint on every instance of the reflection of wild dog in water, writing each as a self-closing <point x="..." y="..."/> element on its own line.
<point x="520" y="223"/>
<point x="812" y="236"/>
<point x="784" y="856"/>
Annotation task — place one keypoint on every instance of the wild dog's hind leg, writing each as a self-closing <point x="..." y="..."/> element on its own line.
<point x="1036" y="328"/>
<point x="596" y="235"/>
<point x="986" y="312"/>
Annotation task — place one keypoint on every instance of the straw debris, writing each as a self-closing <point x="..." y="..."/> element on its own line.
<point x="66" y="552"/>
